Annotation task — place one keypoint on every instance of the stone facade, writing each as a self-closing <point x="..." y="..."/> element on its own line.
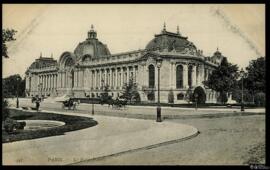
<point x="91" y="66"/>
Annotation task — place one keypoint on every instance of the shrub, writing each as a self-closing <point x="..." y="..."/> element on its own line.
<point x="223" y="97"/>
<point x="259" y="99"/>
<point x="20" y="125"/>
<point x="9" y="125"/>
<point x="5" y="111"/>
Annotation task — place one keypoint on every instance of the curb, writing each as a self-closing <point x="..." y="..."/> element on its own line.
<point x="142" y="148"/>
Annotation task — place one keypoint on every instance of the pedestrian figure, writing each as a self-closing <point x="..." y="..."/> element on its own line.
<point x="70" y="103"/>
<point x="37" y="103"/>
<point x="74" y="105"/>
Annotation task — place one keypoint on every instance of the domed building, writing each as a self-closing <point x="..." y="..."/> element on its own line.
<point x="182" y="68"/>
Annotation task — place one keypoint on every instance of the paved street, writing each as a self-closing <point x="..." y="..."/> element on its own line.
<point x="233" y="140"/>
<point x="222" y="141"/>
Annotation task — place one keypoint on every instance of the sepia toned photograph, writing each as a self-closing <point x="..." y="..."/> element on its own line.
<point x="133" y="84"/>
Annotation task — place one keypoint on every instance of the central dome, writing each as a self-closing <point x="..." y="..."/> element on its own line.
<point x="170" y="41"/>
<point x="91" y="46"/>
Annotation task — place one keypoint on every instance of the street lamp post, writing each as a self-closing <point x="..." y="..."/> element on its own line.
<point x="93" y="112"/>
<point x="17" y="102"/>
<point x="196" y="101"/>
<point x="159" y="62"/>
<point x="242" y="74"/>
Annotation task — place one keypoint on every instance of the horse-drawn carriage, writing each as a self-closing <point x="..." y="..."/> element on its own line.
<point x="70" y="103"/>
<point x="67" y="102"/>
<point x="117" y="103"/>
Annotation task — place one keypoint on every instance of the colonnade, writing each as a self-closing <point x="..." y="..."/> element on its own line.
<point x="114" y="77"/>
<point x="47" y="82"/>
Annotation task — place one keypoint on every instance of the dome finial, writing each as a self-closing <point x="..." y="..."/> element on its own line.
<point x="92" y="33"/>
<point x="164" y="26"/>
<point x="51" y="55"/>
<point x="178" y="29"/>
<point x="40" y="55"/>
<point x="217" y="48"/>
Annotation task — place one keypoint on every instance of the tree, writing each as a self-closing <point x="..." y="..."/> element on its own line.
<point x="104" y="96"/>
<point x="7" y="35"/>
<point x="255" y="80"/>
<point x="223" y="79"/>
<point x="12" y="85"/>
<point x="130" y="91"/>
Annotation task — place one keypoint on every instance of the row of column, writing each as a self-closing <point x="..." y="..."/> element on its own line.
<point x="115" y="78"/>
<point x="47" y="82"/>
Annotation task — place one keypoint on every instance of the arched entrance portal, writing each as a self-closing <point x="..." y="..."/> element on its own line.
<point x="201" y="95"/>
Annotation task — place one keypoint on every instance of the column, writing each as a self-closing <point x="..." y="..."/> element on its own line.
<point x="96" y="78"/>
<point x="101" y="72"/>
<point x="116" y="78"/>
<point x="64" y="79"/>
<point x="194" y="75"/>
<point x="111" y="78"/>
<point x="128" y="72"/>
<point x="124" y="76"/>
<point x="106" y="77"/>
<point x="121" y="77"/>
<point x="93" y="79"/>
<point x="197" y="74"/>
<point x="61" y="74"/>
<point x="144" y="75"/>
<point x="90" y="79"/>
<point x="185" y="75"/>
<point x="56" y="81"/>
<point x="45" y="82"/>
<point x="50" y="82"/>
<point x="202" y="73"/>
<point x="82" y="77"/>
<point x="42" y="87"/>
<point x="173" y="76"/>
<point x="51" y="77"/>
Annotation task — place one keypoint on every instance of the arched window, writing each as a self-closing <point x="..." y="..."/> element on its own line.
<point x="69" y="62"/>
<point x="179" y="76"/>
<point x="180" y="96"/>
<point x="151" y="70"/>
<point x="189" y="76"/>
<point x="86" y="58"/>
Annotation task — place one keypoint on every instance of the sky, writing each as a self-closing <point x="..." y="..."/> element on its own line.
<point x="237" y="30"/>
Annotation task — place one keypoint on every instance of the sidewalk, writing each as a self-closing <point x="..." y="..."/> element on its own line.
<point x="112" y="135"/>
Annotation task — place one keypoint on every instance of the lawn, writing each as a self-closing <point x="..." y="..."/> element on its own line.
<point x="72" y="123"/>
